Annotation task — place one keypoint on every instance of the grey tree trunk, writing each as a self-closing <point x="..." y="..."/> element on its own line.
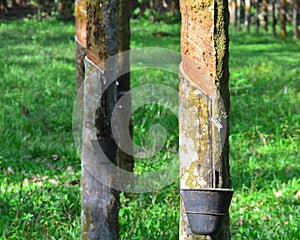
<point x="204" y="103"/>
<point x="100" y="203"/>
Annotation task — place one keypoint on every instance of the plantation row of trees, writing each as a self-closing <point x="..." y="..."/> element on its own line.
<point x="263" y="13"/>
<point x="64" y="9"/>
<point x="260" y="14"/>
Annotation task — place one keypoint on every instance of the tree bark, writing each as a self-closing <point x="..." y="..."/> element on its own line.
<point x="247" y="15"/>
<point x="265" y="15"/>
<point x="232" y="9"/>
<point x="257" y="22"/>
<point x="3" y="5"/>
<point x="80" y="41"/>
<point x="204" y="103"/>
<point x="238" y="14"/>
<point x="274" y="19"/>
<point x="125" y="160"/>
<point x="16" y="3"/>
<point x="283" y="9"/>
<point x="100" y="203"/>
<point x="295" y="19"/>
<point x="174" y="7"/>
<point x="65" y="10"/>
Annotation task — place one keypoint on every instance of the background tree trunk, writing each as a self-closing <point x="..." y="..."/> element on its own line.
<point x="174" y="7"/>
<point x="274" y="19"/>
<point x="247" y="15"/>
<point x="3" y="5"/>
<point x="203" y="86"/>
<point x="283" y="19"/>
<point x="257" y="22"/>
<point x="16" y="3"/>
<point x="295" y="19"/>
<point x="41" y="7"/>
<point x="65" y="10"/>
<point x="265" y="14"/>
<point x="232" y="9"/>
<point x="238" y="14"/>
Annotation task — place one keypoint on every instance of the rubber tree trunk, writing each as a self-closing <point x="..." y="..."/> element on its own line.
<point x="238" y="13"/>
<point x="3" y="5"/>
<point x="16" y="3"/>
<point x="257" y="21"/>
<point x="232" y="10"/>
<point x="265" y="15"/>
<point x="283" y="9"/>
<point x="274" y="19"/>
<point x="80" y="42"/>
<point x="65" y="10"/>
<point x="295" y="19"/>
<point x="174" y="7"/>
<point x="100" y="203"/>
<point x="204" y="102"/>
<point x="41" y="7"/>
<point x="247" y="15"/>
<point x="153" y="8"/>
<point x="125" y="160"/>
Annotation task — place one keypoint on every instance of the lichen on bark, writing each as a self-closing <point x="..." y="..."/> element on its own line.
<point x="100" y="203"/>
<point x="204" y="95"/>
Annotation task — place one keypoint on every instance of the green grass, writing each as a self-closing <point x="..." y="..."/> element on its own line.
<point x="39" y="194"/>
<point x="265" y="128"/>
<point x="39" y="197"/>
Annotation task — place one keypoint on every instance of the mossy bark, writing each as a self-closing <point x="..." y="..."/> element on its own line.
<point x="80" y="21"/>
<point x="204" y="102"/>
<point x="80" y="42"/>
<point x="100" y="203"/>
<point x="102" y="30"/>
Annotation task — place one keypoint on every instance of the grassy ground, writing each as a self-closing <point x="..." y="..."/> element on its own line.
<point x="265" y="128"/>
<point x="40" y="171"/>
<point x="39" y="168"/>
